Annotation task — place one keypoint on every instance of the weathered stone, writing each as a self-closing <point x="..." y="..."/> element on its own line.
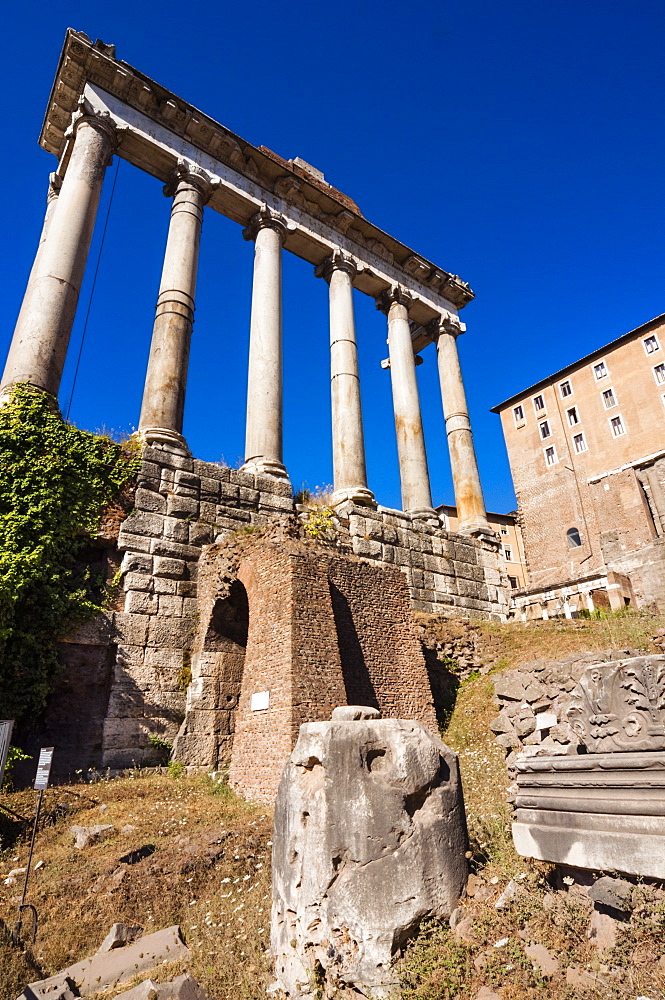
<point x="120" y="934"/>
<point x="182" y="988"/>
<point x="501" y="724"/>
<point x="602" y="932"/>
<point x="369" y="839"/>
<point x="621" y="705"/>
<point x="614" y="893"/>
<point x="354" y="713"/>
<point x="543" y="959"/>
<point x="118" y="965"/>
<point x="509" y="687"/>
<point x="84" y="836"/>
<point x="619" y="829"/>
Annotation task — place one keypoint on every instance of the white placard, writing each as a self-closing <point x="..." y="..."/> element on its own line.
<point x="260" y="701"/>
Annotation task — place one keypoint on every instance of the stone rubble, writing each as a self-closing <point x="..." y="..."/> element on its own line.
<point x="85" y="836"/>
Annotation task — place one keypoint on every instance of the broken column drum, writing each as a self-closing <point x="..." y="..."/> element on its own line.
<point x="370" y="839"/>
<point x="282" y="204"/>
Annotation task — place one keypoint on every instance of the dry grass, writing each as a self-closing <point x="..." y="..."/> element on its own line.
<point x="512" y="644"/>
<point x="209" y="873"/>
<point x="437" y="966"/>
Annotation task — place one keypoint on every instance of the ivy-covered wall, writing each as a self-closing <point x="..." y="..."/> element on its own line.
<point x="55" y="482"/>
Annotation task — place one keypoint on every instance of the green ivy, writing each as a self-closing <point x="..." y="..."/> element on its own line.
<point x="55" y="481"/>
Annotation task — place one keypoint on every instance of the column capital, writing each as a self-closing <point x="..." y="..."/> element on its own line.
<point x="446" y="323"/>
<point x="267" y="218"/>
<point x="337" y="261"/>
<point x="396" y="293"/>
<point x="191" y="173"/>
<point x="101" y="121"/>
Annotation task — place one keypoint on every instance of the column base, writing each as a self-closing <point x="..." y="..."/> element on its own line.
<point x="480" y="530"/>
<point x="359" y="496"/>
<point x="265" y="467"/>
<point x="427" y="514"/>
<point x="164" y="436"/>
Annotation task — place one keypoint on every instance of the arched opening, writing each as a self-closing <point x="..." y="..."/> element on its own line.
<point x="206" y="736"/>
<point x="573" y="538"/>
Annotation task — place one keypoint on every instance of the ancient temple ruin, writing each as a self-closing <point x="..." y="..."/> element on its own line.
<point x="139" y="658"/>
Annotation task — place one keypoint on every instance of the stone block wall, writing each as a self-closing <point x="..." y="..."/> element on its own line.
<point x="181" y="507"/>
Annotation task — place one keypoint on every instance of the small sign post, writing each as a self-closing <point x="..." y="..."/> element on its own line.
<point x="41" y="784"/>
<point x="5" y="737"/>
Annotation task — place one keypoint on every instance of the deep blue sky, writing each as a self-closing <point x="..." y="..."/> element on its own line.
<point x="518" y="144"/>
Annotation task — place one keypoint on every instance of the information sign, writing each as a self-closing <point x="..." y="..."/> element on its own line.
<point x="43" y="768"/>
<point x="5" y="737"/>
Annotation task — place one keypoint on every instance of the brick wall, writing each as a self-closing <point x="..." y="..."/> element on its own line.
<point x="183" y="506"/>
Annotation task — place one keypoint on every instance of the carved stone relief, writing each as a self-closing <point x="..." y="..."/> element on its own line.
<point x="621" y="706"/>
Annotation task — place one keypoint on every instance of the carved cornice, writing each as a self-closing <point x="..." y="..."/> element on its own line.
<point x="337" y="261"/>
<point x="396" y="293"/>
<point x="84" y="61"/>
<point x="620" y="706"/>
<point x="265" y="218"/>
<point x="191" y="173"/>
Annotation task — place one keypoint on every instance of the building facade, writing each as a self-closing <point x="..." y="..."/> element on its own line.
<point x="587" y="453"/>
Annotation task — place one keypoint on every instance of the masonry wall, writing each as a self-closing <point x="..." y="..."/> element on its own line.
<point x="182" y="506"/>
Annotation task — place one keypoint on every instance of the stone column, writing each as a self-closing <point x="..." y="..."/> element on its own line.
<point x="414" y="475"/>
<point x="41" y="337"/>
<point x="263" y="435"/>
<point x="166" y="378"/>
<point x="349" y="468"/>
<point x="471" y="514"/>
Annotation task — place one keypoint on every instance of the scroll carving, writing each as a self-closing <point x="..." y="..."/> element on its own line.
<point x="620" y="706"/>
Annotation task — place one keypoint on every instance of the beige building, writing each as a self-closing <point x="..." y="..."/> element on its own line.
<point x="587" y="454"/>
<point x="512" y="544"/>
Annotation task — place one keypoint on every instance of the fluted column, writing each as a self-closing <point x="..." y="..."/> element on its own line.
<point x="413" y="471"/>
<point x="349" y="467"/>
<point x="263" y="435"/>
<point x="41" y="336"/>
<point x="471" y="514"/>
<point x="163" y="404"/>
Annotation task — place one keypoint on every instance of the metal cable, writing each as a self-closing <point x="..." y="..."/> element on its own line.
<point x="92" y="290"/>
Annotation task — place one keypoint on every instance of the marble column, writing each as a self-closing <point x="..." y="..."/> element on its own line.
<point x="349" y="468"/>
<point x="41" y="337"/>
<point x="471" y="514"/>
<point x="413" y="471"/>
<point x="263" y="435"/>
<point x="166" y="378"/>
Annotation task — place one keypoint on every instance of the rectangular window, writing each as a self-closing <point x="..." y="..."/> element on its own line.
<point x="508" y="552"/>
<point x="600" y="370"/>
<point x="651" y="344"/>
<point x="539" y="403"/>
<point x="566" y="389"/>
<point x="512" y="580"/>
<point x="518" y="414"/>
<point x="579" y="443"/>
<point x="609" y="399"/>
<point x="545" y="431"/>
<point x="504" y="529"/>
<point x="550" y="456"/>
<point x="659" y="374"/>
<point x="617" y="426"/>
<point x="572" y="416"/>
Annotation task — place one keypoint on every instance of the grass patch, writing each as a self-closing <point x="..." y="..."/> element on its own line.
<point x="210" y="873"/>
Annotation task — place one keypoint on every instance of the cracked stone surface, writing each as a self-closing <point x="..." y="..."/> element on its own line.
<point x="370" y="838"/>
